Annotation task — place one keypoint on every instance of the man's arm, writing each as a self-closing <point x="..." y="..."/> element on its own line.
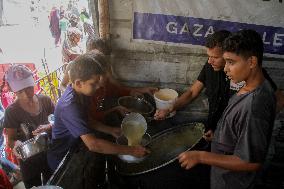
<point x="230" y="162"/>
<point x="103" y="146"/>
<point x="99" y="126"/>
<point x="184" y="99"/>
<point x="189" y="95"/>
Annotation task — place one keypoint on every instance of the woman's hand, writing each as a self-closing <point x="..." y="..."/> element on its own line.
<point x="42" y="128"/>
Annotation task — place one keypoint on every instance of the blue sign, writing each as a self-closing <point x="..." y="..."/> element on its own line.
<point x="189" y="30"/>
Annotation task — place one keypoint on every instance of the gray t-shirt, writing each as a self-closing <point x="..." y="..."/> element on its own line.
<point x="244" y="130"/>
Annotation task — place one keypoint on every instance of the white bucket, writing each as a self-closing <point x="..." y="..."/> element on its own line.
<point x="133" y="127"/>
<point x="165" y="99"/>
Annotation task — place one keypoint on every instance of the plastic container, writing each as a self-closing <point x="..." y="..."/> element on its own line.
<point x="165" y="99"/>
<point x="133" y="127"/>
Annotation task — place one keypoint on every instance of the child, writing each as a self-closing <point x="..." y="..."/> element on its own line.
<point x="72" y="125"/>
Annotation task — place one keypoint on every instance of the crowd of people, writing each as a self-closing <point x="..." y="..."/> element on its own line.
<point x="243" y="102"/>
<point x="68" y="28"/>
<point x="35" y="109"/>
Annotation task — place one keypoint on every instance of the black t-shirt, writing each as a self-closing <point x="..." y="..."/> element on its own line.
<point x="268" y="78"/>
<point x="218" y="93"/>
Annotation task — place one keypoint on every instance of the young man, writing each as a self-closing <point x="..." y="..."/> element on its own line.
<point x="71" y="125"/>
<point x="219" y="88"/>
<point x="243" y="132"/>
<point x="213" y="78"/>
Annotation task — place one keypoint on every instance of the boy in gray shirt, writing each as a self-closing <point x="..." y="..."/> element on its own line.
<point x="243" y="132"/>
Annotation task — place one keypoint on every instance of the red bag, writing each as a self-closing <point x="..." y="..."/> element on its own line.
<point x="10" y="156"/>
<point x="4" y="181"/>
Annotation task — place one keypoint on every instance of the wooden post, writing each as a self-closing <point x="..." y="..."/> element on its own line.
<point x="1" y="12"/>
<point x="93" y="7"/>
<point x="104" y="22"/>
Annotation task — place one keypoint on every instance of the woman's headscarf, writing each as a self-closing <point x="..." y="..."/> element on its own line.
<point x="19" y="77"/>
<point x="70" y="47"/>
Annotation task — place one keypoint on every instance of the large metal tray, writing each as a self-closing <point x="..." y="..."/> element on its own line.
<point x="165" y="148"/>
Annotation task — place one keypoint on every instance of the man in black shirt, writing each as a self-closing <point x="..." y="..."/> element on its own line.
<point x="213" y="78"/>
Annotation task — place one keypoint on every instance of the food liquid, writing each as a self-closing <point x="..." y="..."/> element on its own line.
<point x="164" y="97"/>
<point x="134" y="132"/>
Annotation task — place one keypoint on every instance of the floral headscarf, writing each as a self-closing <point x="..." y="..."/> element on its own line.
<point x="70" y="47"/>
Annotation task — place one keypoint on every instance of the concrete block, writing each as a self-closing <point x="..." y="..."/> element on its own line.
<point x="121" y="9"/>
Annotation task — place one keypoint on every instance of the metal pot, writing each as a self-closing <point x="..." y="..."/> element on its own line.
<point x="33" y="146"/>
<point x="136" y="104"/>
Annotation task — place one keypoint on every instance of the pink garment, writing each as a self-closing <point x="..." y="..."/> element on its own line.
<point x="54" y="24"/>
<point x="7" y="98"/>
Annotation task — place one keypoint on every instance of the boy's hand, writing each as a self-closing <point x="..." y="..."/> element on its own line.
<point x="189" y="159"/>
<point x="208" y="136"/>
<point x="139" y="151"/>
